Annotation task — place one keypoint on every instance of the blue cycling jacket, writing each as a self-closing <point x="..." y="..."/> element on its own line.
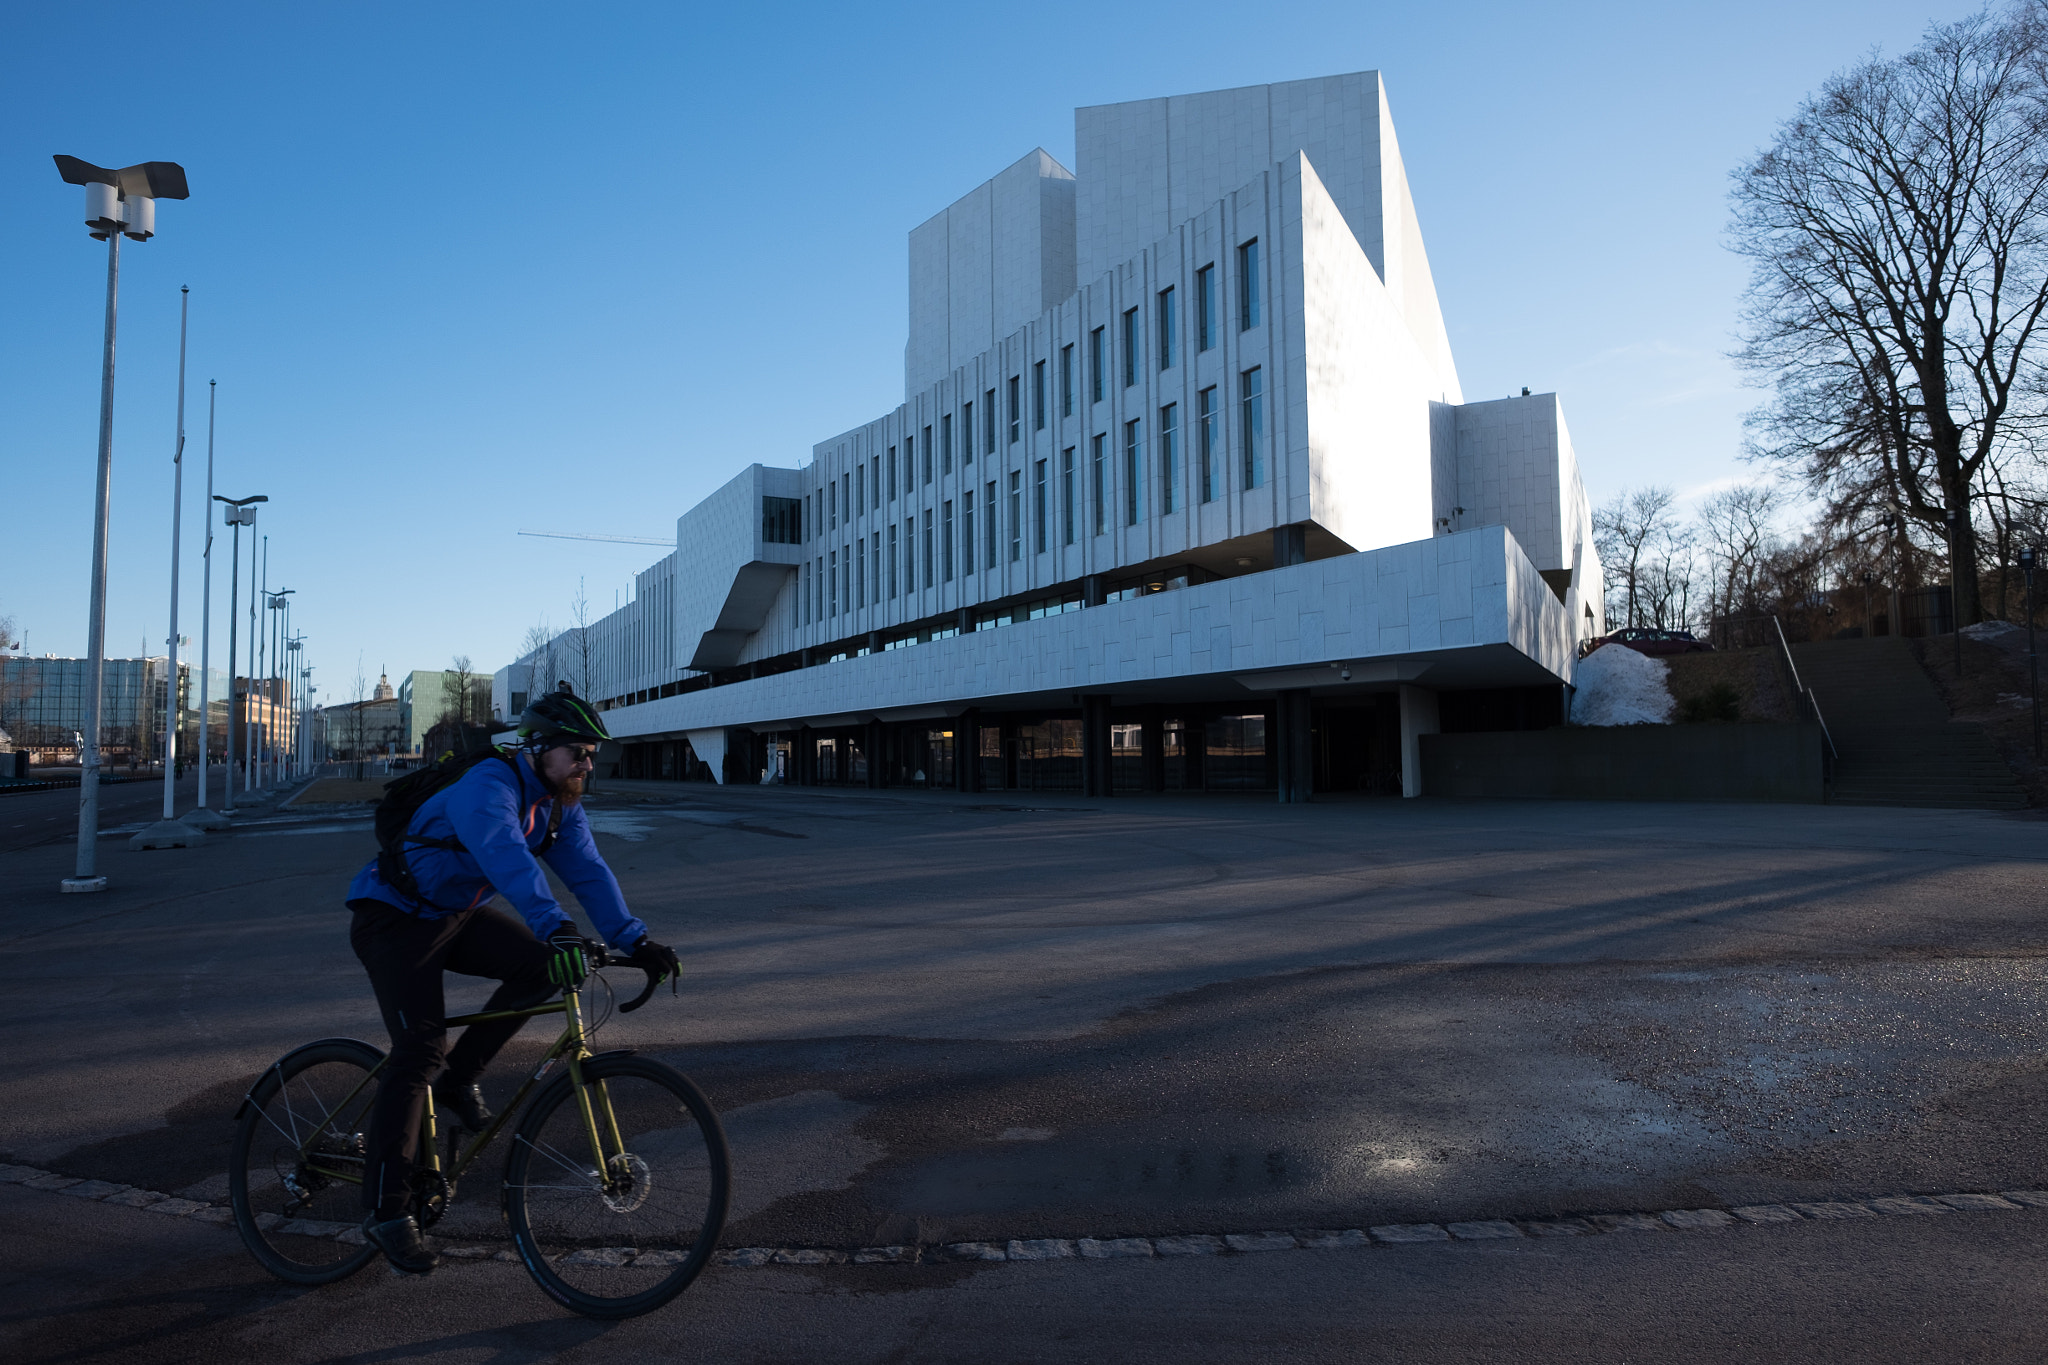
<point x="500" y="813"/>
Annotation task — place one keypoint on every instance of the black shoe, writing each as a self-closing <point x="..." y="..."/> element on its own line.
<point x="465" y="1103"/>
<point x="400" y="1241"/>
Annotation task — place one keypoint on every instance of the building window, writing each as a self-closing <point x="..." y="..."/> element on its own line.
<point x="927" y="547"/>
<point x="1098" y="474"/>
<point x="892" y="472"/>
<point x="1251" y="427"/>
<point x="967" y="530"/>
<point x="782" y="521"/>
<point x="1169" y="458"/>
<point x="1038" y="396"/>
<point x="1167" y="328"/>
<point x="1016" y="413"/>
<point x="892" y="560"/>
<point x="1205" y="440"/>
<point x="875" y="558"/>
<point x="832" y="506"/>
<point x="832" y="569"/>
<point x="1096" y="361"/>
<point x="875" y="480"/>
<point x="1067" y="496"/>
<point x="860" y="574"/>
<point x="860" y="491"/>
<point x="1038" y="510"/>
<point x="846" y="496"/>
<point x="1067" y="381"/>
<point x="803" y="595"/>
<point x="1205" y="308"/>
<point x="818" y="588"/>
<point x="1248" y="286"/>
<point x="1133" y="464"/>
<point x="946" y="543"/>
<point x="988" y="418"/>
<point x="1016" y="516"/>
<point x="927" y="448"/>
<point x="989" y="537"/>
<point x="1130" y="347"/>
<point x="966" y="441"/>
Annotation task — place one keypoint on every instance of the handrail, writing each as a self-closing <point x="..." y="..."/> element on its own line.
<point x="1803" y="692"/>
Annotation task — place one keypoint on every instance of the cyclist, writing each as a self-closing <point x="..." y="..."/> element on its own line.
<point x="485" y="833"/>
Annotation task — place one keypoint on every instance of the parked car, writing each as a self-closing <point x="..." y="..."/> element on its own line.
<point x="1651" y="640"/>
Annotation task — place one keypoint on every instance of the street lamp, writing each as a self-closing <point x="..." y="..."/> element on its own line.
<point x="239" y="512"/>
<point x="275" y="679"/>
<point x="2029" y="555"/>
<point x="117" y="204"/>
<point x="169" y="832"/>
<point x="199" y="816"/>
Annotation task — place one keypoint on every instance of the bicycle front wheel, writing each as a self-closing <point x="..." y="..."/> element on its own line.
<point x="616" y="1190"/>
<point x="295" y="1171"/>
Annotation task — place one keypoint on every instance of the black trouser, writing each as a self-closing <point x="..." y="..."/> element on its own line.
<point x="405" y="956"/>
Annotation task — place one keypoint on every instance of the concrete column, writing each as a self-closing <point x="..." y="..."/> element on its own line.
<point x="1093" y="590"/>
<point x="1292" y="745"/>
<point x="1418" y="718"/>
<point x="1152" y="750"/>
<point x="874" y="642"/>
<point x="1096" y="773"/>
<point x="872" y="743"/>
<point x="1290" y="545"/>
<point x="967" y="751"/>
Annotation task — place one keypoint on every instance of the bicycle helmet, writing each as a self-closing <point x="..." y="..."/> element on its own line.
<point x="561" y="718"/>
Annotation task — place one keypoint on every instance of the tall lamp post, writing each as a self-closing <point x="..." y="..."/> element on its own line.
<point x="118" y="204"/>
<point x="274" y="653"/>
<point x="239" y="512"/>
<point x="170" y="832"/>
<point x="200" y="817"/>
<point x="2029" y="556"/>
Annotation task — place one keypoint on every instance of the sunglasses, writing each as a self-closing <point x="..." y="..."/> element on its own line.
<point x="579" y="753"/>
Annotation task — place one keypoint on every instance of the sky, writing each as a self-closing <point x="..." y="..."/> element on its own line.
<point x="463" y="270"/>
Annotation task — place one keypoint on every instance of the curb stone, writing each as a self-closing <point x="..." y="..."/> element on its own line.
<point x="1112" y="1248"/>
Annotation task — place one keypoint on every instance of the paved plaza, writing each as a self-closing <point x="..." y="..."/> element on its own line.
<point x="935" y="1020"/>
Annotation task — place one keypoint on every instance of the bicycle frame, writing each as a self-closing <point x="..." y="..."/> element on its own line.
<point x="571" y="1045"/>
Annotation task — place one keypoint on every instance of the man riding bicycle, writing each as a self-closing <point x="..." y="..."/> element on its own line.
<point x="483" y="834"/>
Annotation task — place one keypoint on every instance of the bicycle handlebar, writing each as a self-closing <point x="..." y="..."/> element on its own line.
<point x="601" y="957"/>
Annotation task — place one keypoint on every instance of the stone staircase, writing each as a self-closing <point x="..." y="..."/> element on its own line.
<point x="1896" y="744"/>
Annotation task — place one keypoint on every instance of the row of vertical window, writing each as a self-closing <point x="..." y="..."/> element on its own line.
<point x="866" y="570"/>
<point x="862" y="486"/>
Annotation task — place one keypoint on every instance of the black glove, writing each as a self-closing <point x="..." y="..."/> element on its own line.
<point x="657" y="958"/>
<point x="569" y="962"/>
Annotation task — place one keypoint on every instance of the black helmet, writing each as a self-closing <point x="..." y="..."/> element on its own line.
<point x="562" y="718"/>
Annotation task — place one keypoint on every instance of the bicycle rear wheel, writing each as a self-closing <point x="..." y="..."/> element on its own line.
<point x="620" y="1233"/>
<point x="296" y="1167"/>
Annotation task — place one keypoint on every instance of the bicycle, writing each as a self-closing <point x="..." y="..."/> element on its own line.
<point x="615" y="1188"/>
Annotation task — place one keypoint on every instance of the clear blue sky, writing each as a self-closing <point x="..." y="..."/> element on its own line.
<point x="463" y="269"/>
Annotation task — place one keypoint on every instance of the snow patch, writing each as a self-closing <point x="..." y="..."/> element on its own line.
<point x="1615" y="685"/>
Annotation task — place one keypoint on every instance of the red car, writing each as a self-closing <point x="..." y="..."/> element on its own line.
<point x="1653" y="641"/>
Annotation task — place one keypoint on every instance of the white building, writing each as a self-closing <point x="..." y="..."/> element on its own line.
<point x="1183" y="492"/>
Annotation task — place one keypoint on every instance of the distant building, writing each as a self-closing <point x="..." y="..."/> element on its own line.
<point x="42" y="707"/>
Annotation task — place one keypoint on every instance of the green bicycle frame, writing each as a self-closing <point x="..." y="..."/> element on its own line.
<point x="599" y="1120"/>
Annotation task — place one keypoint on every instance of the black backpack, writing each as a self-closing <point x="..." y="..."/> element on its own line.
<point x="403" y="797"/>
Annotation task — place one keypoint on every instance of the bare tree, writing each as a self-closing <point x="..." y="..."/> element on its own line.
<point x="1898" y="231"/>
<point x="538" y="649"/>
<point x="579" y="611"/>
<point x="457" y="693"/>
<point x="1739" y="531"/>
<point x="357" y="729"/>
<point x="1627" y="532"/>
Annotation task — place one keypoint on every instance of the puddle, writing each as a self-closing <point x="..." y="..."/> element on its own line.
<point x="1037" y="1177"/>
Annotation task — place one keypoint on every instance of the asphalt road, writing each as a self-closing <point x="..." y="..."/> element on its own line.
<point x="942" y="1019"/>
